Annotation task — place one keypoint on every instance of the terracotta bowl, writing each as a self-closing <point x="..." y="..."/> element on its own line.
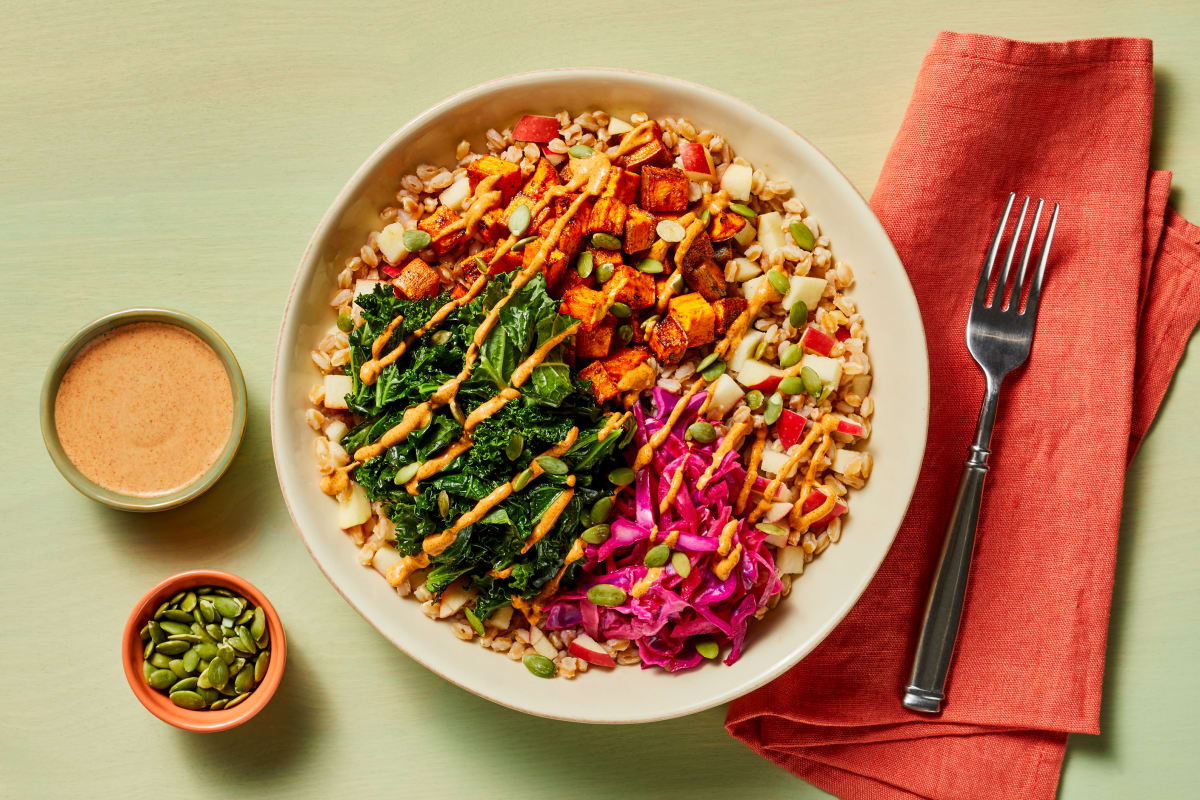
<point x="158" y="703"/>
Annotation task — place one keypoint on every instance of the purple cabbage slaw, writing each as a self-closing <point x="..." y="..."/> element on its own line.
<point x="675" y="612"/>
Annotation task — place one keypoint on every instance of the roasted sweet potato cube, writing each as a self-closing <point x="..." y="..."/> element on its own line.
<point x="727" y="309"/>
<point x="639" y="230"/>
<point x="510" y="175"/>
<point x="601" y="256"/>
<point x="417" y="280"/>
<point x="595" y="343"/>
<point x="624" y="360"/>
<point x="636" y="288"/>
<point x="664" y="189"/>
<point x="586" y="305"/>
<point x="492" y="227"/>
<point x="553" y="266"/>
<point x="725" y="225"/>
<point x="653" y="153"/>
<point x="667" y="340"/>
<point x="723" y="253"/>
<point x="441" y="219"/>
<point x="696" y="316"/>
<point x="544" y="176"/>
<point x="603" y="387"/>
<point x="571" y="277"/>
<point x="608" y="216"/>
<point x="571" y="238"/>
<point x="622" y="185"/>
<point x="701" y="270"/>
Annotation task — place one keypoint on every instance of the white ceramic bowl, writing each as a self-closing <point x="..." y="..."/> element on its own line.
<point x="897" y="349"/>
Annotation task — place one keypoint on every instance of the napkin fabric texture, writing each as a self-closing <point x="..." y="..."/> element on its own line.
<point x="1070" y="122"/>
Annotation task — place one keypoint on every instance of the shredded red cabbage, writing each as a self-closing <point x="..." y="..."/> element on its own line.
<point x="675" y="612"/>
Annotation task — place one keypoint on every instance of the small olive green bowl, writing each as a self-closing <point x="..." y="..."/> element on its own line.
<point x="66" y="355"/>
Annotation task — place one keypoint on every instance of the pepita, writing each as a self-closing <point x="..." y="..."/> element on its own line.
<point x="415" y="240"/>
<point x="188" y="699"/>
<point x="522" y="480"/>
<point x="601" y="509"/>
<point x="622" y="476"/>
<point x="791" y="356"/>
<point x="774" y="408"/>
<point x="158" y="613"/>
<point x="227" y="606"/>
<point x="605" y="594"/>
<point x="157" y="634"/>
<point x="406" y="473"/>
<point x="791" y="385"/>
<point x="175" y="615"/>
<point x="754" y="399"/>
<point x="657" y="556"/>
<point x="191" y="660"/>
<point x="247" y="640"/>
<point x="190" y="638"/>
<point x="779" y="282"/>
<point x="170" y="626"/>
<point x="606" y="241"/>
<point x="651" y="266"/>
<point x="244" y="681"/>
<point x="553" y="466"/>
<point x="514" y="448"/>
<point x="518" y="220"/>
<point x="258" y="628"/>
<point x="708" y="649"/>
<point x="160" y="661"/>
<point x="236" y="700"/>
<point x="210" y="695"/>
<point x="177" y="667"/>
<point x="597" y="534"/>
<point x="812" y="381"/>
<point x="218" y="673"/>
<point x="187" y="684"/>
<point x="162" y="678"/>
<point x="681" y="564"/>
<point x="189" y="602"/>
<point x="208" y="611"/>
<point x="801" y="235"/>
<point x="585" y="263"/>
<point x="217" y="706"/>
<point x="798" y="313"/>
<point x="225" y="651"/>
<point x="539" y="665"/>
<point x="476" y="622"/>
<point x="260" y="665"/>
<point x="214" y="632"/>
<point x="580" y="151"/>
<point x="700" y="431"/>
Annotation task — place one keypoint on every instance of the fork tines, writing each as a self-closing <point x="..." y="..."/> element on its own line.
<point x="997" y="300"/>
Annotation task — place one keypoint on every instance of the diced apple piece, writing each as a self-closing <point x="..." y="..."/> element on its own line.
<point x="363" y="286"/>
<point x="586" y="648"/>
<point x="454" y="598"/>
<point x="736" y="181"/>
<point x="818" y="341"/>
<point x="697" y="162"/>
<point x="500" y="618"/>
<point x="335" y="429"/>
<point x="776" y="539"/>
<point x="842" y="459"/>
<point x="829" y="370"/>
<point x="773" y="462"/>
<point x="804" y="288"/>
<point x="540" y="643"/>
<point x="777" y="511"/>
<point x="746" y="235"/>
<point x="790" y="427"/>
<point x="336" y="389"/>
<point x="391" y="242"/>
<point x="815" y="500"/>
<point x="790" y="560"/>
<point x="533" y="128"/>
<point x="760" y="375"/>
<point x="744" y="350"/>
<point x="750" y="287"/>
<point x="384" y="558"/>
<point x="742" y="270"/>
<point x="849" y="426"/>
<point x="726" y="394"/>
<point x="455" y="194"/>
<point x="770" y="231"/>
<point x="355" y="509"/>
<point x="618" y="126"/>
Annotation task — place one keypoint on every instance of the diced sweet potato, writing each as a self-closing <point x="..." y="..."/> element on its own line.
<point x="571" y="238"/>
<point x="441" y="219"/>
<point x="468" y="267"/>
<point x="639" y="230"/>
<point x="636" y="288"/>
<point x="727" y="309"/>
<point x="571" y="277"/>
<point x="492" y="227"/>
<point x="667" y="340"/>
<point x="701" y="270"/>
<point x="725" y="225"/>
<point x="624" y="360"/>
<point x="544" y="176"/>
<point x="607" y="216"/>
<point x="595" y="343"/>
<point x="622" y="185"/>
<point x="695" y="316"/>
<point x="601" y="256"/>
<point x="510" y="175"/>
<point x="637" y="379"/>
<point x="664" y="190"/>
<point x="653" y="153"/>
<point x="603" y="387"/>
<point x="586" y="305"/>
<point x="554" y="265"/>
<point x="722" y="252"/>
<point x="417" y="280"/>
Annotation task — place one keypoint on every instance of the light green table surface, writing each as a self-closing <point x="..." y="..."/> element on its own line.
<point x="181" y="154"/>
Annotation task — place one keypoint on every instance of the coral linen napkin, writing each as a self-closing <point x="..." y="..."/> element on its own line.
<point x="1070" y="122"/>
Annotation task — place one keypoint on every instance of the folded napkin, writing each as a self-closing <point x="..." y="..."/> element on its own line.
<point x="1068" y="121"/>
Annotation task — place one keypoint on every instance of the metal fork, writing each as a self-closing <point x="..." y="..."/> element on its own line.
<point x="999" y="336"/>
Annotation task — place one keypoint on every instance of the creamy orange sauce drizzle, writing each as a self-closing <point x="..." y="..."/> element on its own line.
<point x="756" y="452"/>
<point x="725" y="541"/>
<point x="614" y="421"/>
<point x="643" y="586"/>
<point x="806" y="520"/>
<point x="399" y="572"/>
<point x="673" y="489"/>
<point x="549" y="519"/>
<point x="726" y="565"/>
<point x="819" y="430"/>
<point x="573" y="555"/>
<point x="382" y="339"/>
<point x="693" y="226"/>
<point x="646" y="452"/>
<point x="732" y="441"/>
<point x="483" y="200"/>
<point x="501" y="573"/>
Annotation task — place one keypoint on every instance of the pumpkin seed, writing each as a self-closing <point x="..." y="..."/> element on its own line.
<point x="147" y="668"/>
<point x="771" y="529"/>
<point x="220" y="591"/>
<point x="217" y="706"/>
<point x="754" y="399"/>
<point x="681" y="564"/>
<point x="621" y="310"/>
<point x="604" y="272"/>
<point x="553" y="466"/>
<point x="148" y="649"/>
<point x="584" y="264"/>
<point x="157" y="635"/>
<point x="170" y="626"/>
<point x="707" y="361"/>
<point x="175" y="598"/>
<point x="206" y="650"/>
<point x="227" y="606"/>
<point x="188" y="699"/>
<point x="597" y="534"/>
<point x="539" y="665"/>
<point x="705" y="216"/>
<point x="191" y="660"/>
<point x="791" y="356"/>
<point x="519" y="245"/>
<point x="208" y="611"/>
<point x="177" y="667"/>
<point x="260" y="665"/>
<point x="202" y="679"/>
<point x="190" y="638"/>
<point x="714" y="371"/>
<point x="649" y="323"/>
<point x="262" y="640"/>
<point x="162" y="678"/>
<point x="657" y="556"/>
<point x="650" y="266"/>
<point x="443" y="509"/>
<point x="236" y="700"/>
<point x="774" y="408"/>
<point x="218" y="673"/>
<point x="406" y="473"/>
<point x="700" y="431"/>
<point x="214" y="632"/>
<point x="670" y="231"/>
<point x="144" y="633"/>
<point x="798" y="313"/>
<point x="601" y="509"/>
<point x="189" y="602"/>
<point x="237" y="666"/>
<point x="345" y="323"/>
<point x="197" y="617"/>
<point x="244" y="634"/>
<point x="225" y="651"/>
<point x="743" y="210"/>
<point x="606" y="241"/>
<point x="210" y="695"/>
<point x="440" y="337"/>
<point x="160" y="660"/>
<point x="514" y="448"/>
<point x="580" y="151"/>
<point x="625" y="333"/>
<point x="186" y="684"/>
<point x="622" y="476"/>
<point x="605" y="594"/>
<point x="519" y="219"/>
<point x="791" y="385"/>
<point x="801" y="235"/>
<point x="258" y="627"/>
<point x="416" y="240"/>
<point x="476" y="622"/>
<point x="173" y="648"/>
<point x="779" y="282"/>
<point x="244" y="681"/>
<point x="159" y="612"/>
<point x="708" y="649"/>
<point x="522" y="480"/>
<point x="812" y="381"/>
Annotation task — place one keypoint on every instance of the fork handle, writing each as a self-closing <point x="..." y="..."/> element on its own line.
<point x="926" y="688"/>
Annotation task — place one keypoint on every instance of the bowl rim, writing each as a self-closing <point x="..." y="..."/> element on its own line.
<point x="65" y="356"/>
<point x="157" y="703"/>
<point x="340" y="204"/>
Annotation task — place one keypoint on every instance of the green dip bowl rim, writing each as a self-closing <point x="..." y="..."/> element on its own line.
<point x="66" y="355"/>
